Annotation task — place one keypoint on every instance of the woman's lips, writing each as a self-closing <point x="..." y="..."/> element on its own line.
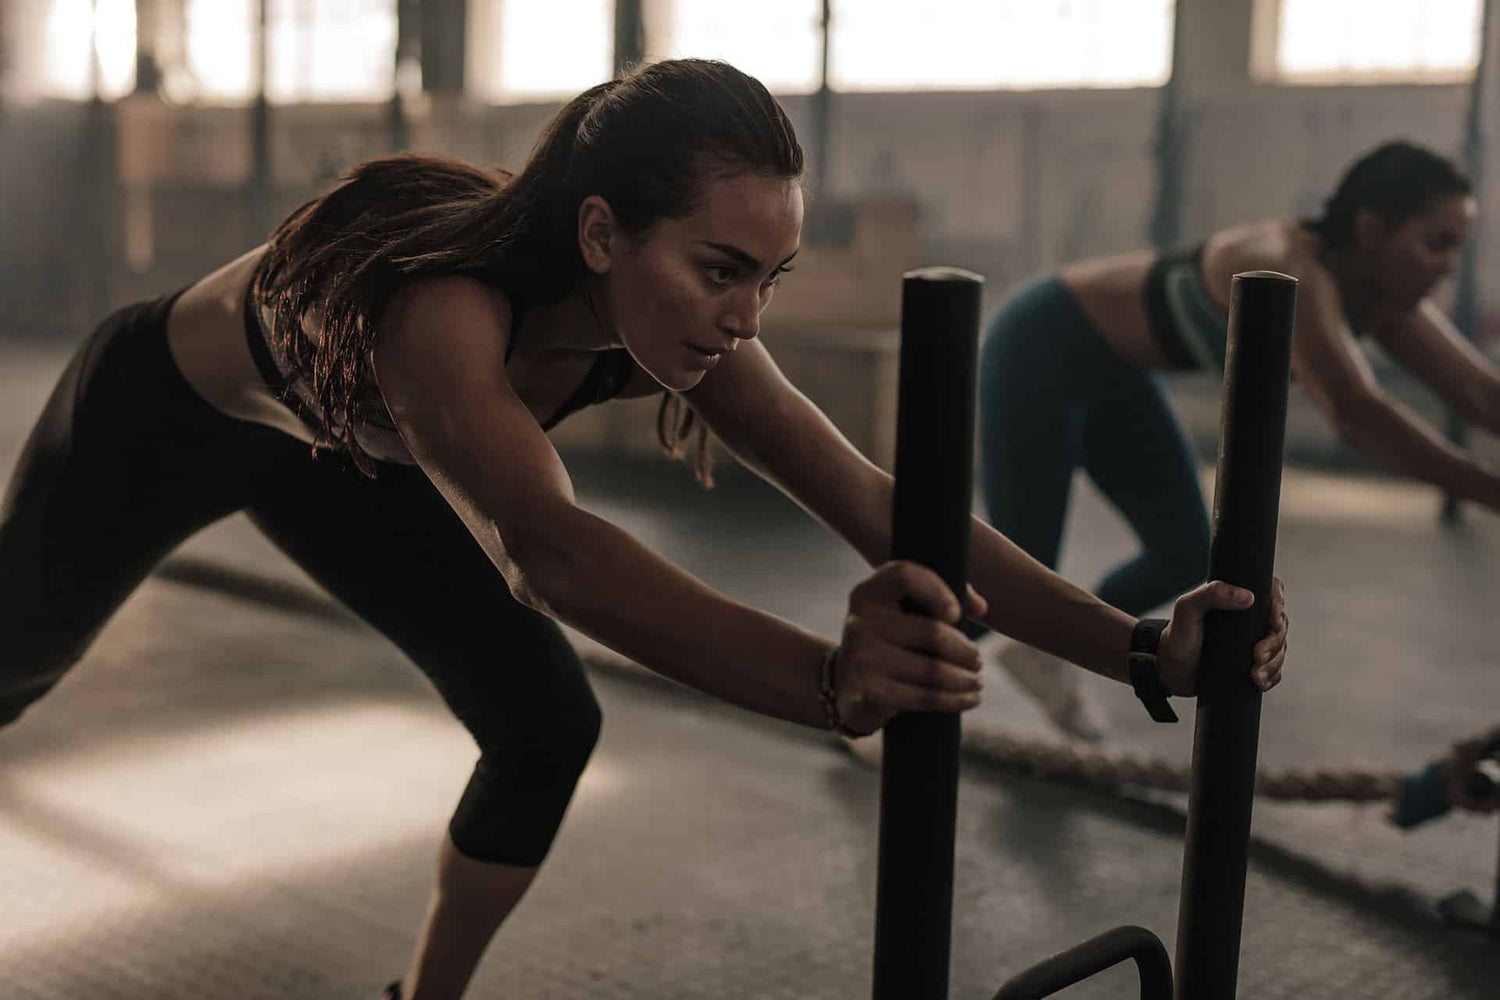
<point x="705" y="357"/>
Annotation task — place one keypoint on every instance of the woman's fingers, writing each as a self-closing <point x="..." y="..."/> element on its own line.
<point x="901" y="652"/>
<point x="897" y="696"/>
<point x="922" y="634"/>
<point x="921" y="667"/>
<point x="899" y="580"/>
<point x="1267" y="675"/>
<point x="1215" y="595"/>
<point x="1278" y="597"/>
<point x="1270" y="652"/>
<point x="1273" y="643"/>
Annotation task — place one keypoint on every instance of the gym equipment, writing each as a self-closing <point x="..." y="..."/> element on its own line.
<point x="919" y="766"/>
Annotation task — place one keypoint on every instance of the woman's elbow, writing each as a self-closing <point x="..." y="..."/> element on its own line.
<point x="536" y="569"/>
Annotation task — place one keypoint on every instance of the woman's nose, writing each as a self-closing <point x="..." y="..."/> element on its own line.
<point x="743" y="320"/>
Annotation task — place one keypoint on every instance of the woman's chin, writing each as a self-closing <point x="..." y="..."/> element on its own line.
<point x="680" y="379"/>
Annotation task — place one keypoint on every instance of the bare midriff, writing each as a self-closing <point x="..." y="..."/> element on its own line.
<point x="1111" y="290"/>
<point x="206" y="334"/>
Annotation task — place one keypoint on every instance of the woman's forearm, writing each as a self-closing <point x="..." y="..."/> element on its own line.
<point x="1027" y="601"/>
<point x="601" y="581"/>
<point x="1384" y="429"/>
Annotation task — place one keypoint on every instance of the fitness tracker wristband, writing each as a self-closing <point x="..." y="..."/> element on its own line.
<point x="1145" y="673"/>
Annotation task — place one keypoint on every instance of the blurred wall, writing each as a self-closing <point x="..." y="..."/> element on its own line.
<point x="109" y="202"/>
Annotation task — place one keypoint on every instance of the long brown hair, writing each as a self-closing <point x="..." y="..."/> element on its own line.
<point x="646" y="143"/>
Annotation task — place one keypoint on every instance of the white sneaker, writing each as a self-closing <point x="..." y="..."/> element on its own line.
<point x="1054" y="684"/>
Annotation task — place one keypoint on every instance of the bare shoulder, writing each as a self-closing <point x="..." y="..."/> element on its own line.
<point x="441" y="343"/>
<point x="448" y="309"/>
<point x="1268" y="245"/>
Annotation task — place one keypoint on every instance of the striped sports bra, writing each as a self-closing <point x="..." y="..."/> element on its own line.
<point x="378" y="435"/>
<point x="1185" y="321"/>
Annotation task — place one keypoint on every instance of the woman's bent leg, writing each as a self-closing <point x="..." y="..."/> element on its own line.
<point x="1140" y="457"/>
<point x="398" y="556"/>
<point x="1030" y="421"/>
<point x="124" y="463"/>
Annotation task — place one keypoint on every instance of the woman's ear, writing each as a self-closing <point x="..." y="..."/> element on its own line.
<point x="598" y="234"/>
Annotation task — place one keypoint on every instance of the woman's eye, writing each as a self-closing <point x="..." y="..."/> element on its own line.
<point x="719" y="275"/>
<point x="775" y="278"/>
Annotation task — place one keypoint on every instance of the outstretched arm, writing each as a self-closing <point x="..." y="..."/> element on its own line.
<point x="1340" y="382"/>
<point x="775" y="430"/>
<point x="440" y="362"/>
<point x="1429" y="346"/>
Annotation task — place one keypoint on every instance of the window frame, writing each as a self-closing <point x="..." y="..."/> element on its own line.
<point x="1265" y="60"/>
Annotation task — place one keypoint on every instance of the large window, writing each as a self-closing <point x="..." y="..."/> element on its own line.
<point x="527" y="50"/>
<point x="218" y="65"/>
<point x="329" y="50"/>
<point x="71" y="48"/>
<point x="1370" y="41"/>
<point x="538" y="50"/>
<point x="317" y="50"/>
<point x="776" y="41"/>
<point x="1000" y="44"/>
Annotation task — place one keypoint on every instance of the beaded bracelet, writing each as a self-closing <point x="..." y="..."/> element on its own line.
<point x="828" y="695"/>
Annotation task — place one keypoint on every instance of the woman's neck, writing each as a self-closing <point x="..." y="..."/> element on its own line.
<point x="1359" y="292"/>
<point x="571" y="324"/>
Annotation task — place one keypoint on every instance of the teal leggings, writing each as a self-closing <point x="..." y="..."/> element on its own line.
<point x="1053" y="396"/>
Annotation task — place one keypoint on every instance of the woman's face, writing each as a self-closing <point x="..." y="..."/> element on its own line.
<point x="688" y="291"/>
<point x="1413" y="257"/>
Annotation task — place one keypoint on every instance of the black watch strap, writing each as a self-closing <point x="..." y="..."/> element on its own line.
<point x="1145" y="674"/>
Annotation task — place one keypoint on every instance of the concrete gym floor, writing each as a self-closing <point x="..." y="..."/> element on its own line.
<point x="239" y="792"/>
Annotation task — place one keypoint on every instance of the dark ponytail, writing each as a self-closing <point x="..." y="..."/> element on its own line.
<point x="1397" y="181"/>
<point x="646" y="143"/>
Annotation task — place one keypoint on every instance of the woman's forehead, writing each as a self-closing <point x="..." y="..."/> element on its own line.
<point x="749" y="208"/>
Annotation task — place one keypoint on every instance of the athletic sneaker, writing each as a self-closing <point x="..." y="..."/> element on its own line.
<point x="1054" y="684"/>
<point x="392" y="992"/>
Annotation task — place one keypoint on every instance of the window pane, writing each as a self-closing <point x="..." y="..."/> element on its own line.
<point x="54" y="44"/>
<point x="220" y="60"/>
<point x="114" y="44"/>
<point x="539" y="50"/>
<point x="1367" y="41"/>
<point x="331" y="50"/>
<point x="776" y="41"/>
<point x="1000" y="44"/>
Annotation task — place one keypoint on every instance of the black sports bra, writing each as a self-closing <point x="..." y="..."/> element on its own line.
<point x="378" y="435"/>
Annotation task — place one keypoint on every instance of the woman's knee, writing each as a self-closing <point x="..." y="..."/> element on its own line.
<point x="520" y="789"/>
<point x="574" y="734"/>
<point x="544" y="743"/>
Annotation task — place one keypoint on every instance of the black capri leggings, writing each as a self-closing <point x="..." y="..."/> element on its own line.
<point x="127" y="461"/>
